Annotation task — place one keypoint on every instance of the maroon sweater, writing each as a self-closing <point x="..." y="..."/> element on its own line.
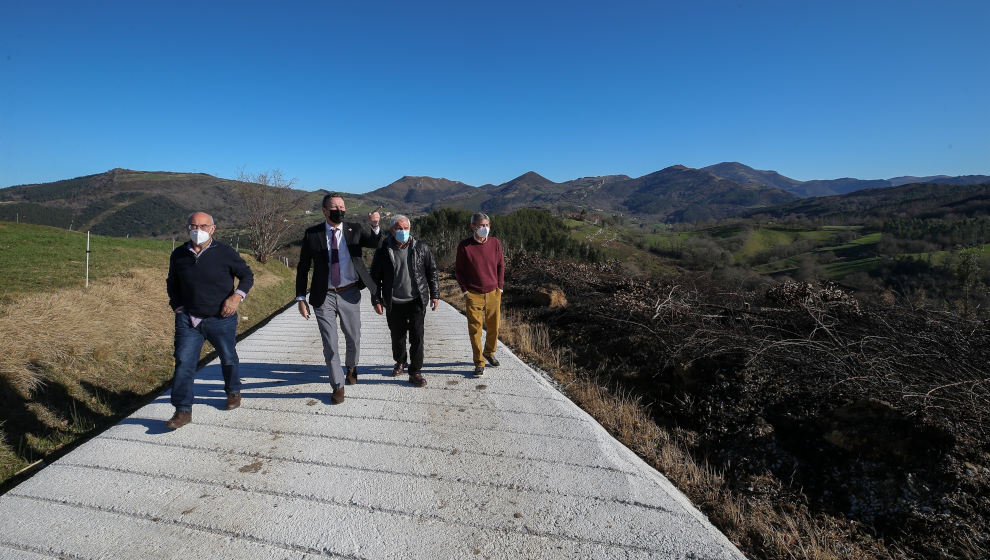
<point x="479" y="267"/>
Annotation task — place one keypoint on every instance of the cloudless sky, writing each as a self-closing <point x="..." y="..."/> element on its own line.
<point x="354" y="95"/>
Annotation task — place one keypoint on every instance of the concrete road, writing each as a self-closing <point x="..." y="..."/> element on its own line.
<point x="499" y="467"/>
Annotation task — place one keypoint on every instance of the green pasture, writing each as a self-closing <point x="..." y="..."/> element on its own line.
<point x="868" y="239"/>
<point x="765" y="238"/>
<point x="834" y="271"/>
<point x="842" y="228"/>
<point x="943" y="258"/>
<point x="664" y="238"/>
<point x="840" y="269"/>
<point x="588" y="232"/>
<point x="37" y="258"/>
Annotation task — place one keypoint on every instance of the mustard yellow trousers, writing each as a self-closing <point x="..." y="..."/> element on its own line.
<point x="483" y="310"/>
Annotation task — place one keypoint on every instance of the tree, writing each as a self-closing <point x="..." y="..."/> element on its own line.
<point x="268" y="203"/>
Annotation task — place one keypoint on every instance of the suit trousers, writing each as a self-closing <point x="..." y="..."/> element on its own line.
<point x="346" y="306"/>
<point x="402" y="318"/>
<point x="483" y="309"/>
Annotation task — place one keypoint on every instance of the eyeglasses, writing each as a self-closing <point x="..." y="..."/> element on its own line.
<point x="199" y="226"/>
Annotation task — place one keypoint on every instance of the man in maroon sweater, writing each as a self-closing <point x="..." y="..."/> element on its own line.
<point x="480" y="272"/>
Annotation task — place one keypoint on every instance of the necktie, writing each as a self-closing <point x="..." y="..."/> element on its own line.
<point x="334" y="260"/>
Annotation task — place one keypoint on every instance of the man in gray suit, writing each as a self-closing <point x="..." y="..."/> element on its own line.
<point x="333" y="249"/>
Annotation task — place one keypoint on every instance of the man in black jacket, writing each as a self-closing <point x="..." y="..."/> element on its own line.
<point x="200" y="286"/>
<point x="405" y="276"/>
<point x="333" y="250"/>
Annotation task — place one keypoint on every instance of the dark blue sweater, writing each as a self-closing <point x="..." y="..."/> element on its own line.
<point x="200" y="283"/>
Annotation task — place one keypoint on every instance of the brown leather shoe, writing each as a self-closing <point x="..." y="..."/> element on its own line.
<point x="233" y="401"/>
<point x="179" y="419"/>
<point x="351" y="377"/>
<point x="417" y="379"/>
<point x="397" y="370"/>
<point x="338" y="396"/>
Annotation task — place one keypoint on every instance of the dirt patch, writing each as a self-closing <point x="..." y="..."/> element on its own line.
<point x="252" y="467"/>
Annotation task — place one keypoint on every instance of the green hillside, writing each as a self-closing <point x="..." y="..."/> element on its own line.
<point x="123" y="202"/>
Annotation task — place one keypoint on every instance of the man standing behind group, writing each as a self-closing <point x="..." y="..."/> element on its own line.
<point x="200" y="287"/>
<point x="405" y="276"/>
<point x="333" y="249"/>
<point x="480" y="272"/>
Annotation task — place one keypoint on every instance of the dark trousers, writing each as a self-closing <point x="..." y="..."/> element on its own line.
<point x="222" y="334"/>
<point x="403" y="318"/>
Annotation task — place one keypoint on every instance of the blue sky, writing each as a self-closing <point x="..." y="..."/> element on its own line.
<point x="352" y="96"/>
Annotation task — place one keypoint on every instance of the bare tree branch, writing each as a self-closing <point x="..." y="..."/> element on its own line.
<point x="269" y="202"/>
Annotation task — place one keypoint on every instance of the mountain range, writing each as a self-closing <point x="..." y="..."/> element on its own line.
<point x="122" y="201"/>
<point x="674" y="194"/>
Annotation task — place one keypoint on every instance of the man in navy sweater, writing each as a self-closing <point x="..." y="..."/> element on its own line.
<point x="201" y="291"/>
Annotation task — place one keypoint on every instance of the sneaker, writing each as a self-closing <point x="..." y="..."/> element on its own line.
<point x="351" y="377"/>
<point x="492" y="360"/>
<point x="479" y="371"/>
<point x="417" y="379"/>
<point x="179" y="419"/>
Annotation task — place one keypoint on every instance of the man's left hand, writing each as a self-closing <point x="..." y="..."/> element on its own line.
<point x="434" y="303"/>
<point x="230" y="305"/>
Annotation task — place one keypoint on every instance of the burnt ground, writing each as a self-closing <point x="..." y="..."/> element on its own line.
<point x="869" y="420"/>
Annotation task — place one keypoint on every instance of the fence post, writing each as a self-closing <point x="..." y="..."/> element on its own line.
<point x="87" y="259"/>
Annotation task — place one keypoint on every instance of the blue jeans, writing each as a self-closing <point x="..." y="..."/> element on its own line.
<point x="222" y="334"/>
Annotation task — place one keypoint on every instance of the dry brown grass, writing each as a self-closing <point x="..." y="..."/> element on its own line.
<point x="758" y="528"/>
<point x="75" y="359"/>
<point x="86" y="334"/>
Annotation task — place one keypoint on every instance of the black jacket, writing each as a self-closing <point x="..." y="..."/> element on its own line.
<point x="421" y="266"/>
<point x="201" y="283"/>
<point x="314" y="253"/>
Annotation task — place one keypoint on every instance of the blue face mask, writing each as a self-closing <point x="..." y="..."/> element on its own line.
<point x="401" y="235"/>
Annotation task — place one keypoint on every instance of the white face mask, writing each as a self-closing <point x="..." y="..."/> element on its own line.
<point x="199" y="236"/>
<point x="482" y="232"/>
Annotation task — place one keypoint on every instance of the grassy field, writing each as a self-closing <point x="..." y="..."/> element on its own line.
<point x="854" y="256"/>
<point x="40" y="258"/>
<point x="765" y="238"/>
<point x="942" y="258"/>
<point x="621" y="244"/>
<point x="76" y="359"/>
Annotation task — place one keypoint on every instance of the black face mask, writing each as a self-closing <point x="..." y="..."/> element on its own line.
<point x="335" y="216"/>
